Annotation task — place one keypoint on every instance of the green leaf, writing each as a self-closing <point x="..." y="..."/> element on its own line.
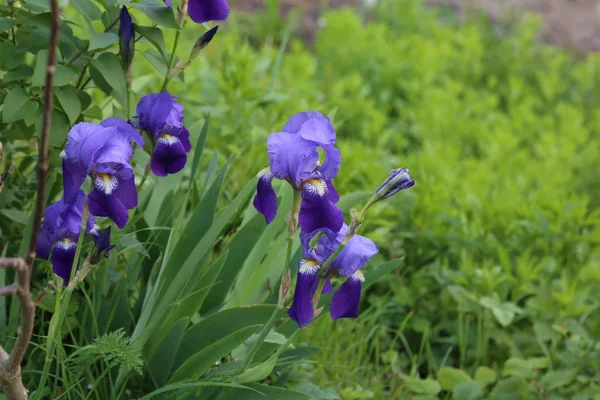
<point x="154" y="36"/>
<point x="62" y="75"/>
<point x="107" y="73"/>
<point x="87" y="8"/>
<point x="485" y="375"/>
<point x="264" y="392"/>
<point x="15" y="215"/>
<point x="156" y="60"/>
<point x="17" y="106"/>
<point x="504" y="313"/>
<point x="183" y="386"/>
<point x="468" y="391"/>
<point x="514" y="385"/>
<point x="257" y="373"/>
<point x="518" y="367"/>
<point x="11" y="56"/>
<point x="159" y="14"/>
<point x="6" y="24"/>
<point x="372" y="275"/>
<point x="199" y="148"/>
<point x="195" y="366"/>
<point x="219" y="325"/>
<point x="69" y="100"/>
<point x="558" y="378"/>
<point x="102" y="40"/>
<point x="450" y="377"/>
<point x="59" y="128"/>
<point x="422" y="386"/>
<point x="164" y="356"/>
<point x="21" y="72"/>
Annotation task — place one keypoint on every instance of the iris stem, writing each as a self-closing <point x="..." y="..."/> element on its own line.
<point x="286" y="280"/>
<point x="171" y="62"/>
<point x="61" y="304"/>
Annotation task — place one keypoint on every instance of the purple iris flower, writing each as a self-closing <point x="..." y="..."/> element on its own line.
<point x="345" y="301"/>
<point x="202" y="11"/>
<point x="294" y="157"/>
<point x="126" y="42"/>
<point x="103" y="152"/>
<point x="102" y="246"/>
<point x="59" y="234"/>
<point x="161" y="117"/>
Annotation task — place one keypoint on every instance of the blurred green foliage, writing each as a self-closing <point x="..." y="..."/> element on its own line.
<point x="500" y="233"/>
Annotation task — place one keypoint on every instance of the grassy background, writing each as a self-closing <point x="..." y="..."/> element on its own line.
<point x="500" y="234"/>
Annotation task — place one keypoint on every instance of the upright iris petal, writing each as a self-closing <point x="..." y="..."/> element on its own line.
<point x="60" y="233"/>
<point x="126" y="42"/>
<point x="202" y="11"/>
<point x="103" y="152"/>
<point x="294" y="157"/>
<point x="162" y="117"/>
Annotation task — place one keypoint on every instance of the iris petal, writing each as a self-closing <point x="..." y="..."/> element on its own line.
<point x="307" y="282"/>
<point x="317" y="211"/>
<point x="345" y="301"/>
<point x="265" y="200"/>
<point x="202" y="11"/>
<point x="169" y="157"/>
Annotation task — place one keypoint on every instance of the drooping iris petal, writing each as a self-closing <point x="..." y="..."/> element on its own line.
<point x="332" y="193"/>
<point x="291" y="157"/>
<point x="102" y="205"/>
<point x="354" y="255"/>
<point x="307" y="282"/>
<point x="265" y="200"/>
<point x="169" y="156"/>
<point x="63" y="255"/>
<point x="44" y="243"/>
<point x="126" y="42"/>
<point x="202" y="11"/>
<point x="345" y="301"/>
<point x="316" y="211"/>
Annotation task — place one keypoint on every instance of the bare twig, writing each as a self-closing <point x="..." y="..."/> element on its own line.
<point x="47" y="289"/>
<point x="10" y="364"/>
<point x="5" y="175"/>
<point x="9" y="290"/>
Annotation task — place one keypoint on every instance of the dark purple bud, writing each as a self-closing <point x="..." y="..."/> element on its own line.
<point x="102" y="246"/>
<point x="126" y="42"/>
<point x="399" y="179"/>
<point x="205" y="39"/>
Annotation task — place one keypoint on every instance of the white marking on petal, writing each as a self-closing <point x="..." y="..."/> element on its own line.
<point x="66" y="244"/>
<point x="168" y="139"/>
<point x="358" y="276"/>
<point x="310" y="267"/>
<point x="316" y="186"/>
<point x="106" y="183"/>
<point x="94" y="230"/>
<point x="265" y="174"/>
<point x="63" y="155"/>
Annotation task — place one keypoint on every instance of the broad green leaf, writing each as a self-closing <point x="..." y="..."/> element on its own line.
<point x="257" y="373"/>
<point x="468" y="391"/>
<point x="450" y="377"/>
<point x="199" y="148"/>
<point x="102" y="40"/>
<point x="107" y="73"/>
<point x="6" y="24"/>
<point x="15" y="215"/>
<point x="11" y="56"/>
<point x="264" y="392"/>
<point x="195" y="385"/>
<point x="485" y="375"/>
<point x="87" y="8"/>
<point x="21" y="72"/>
<point x="189" y="305"/>
<point x="518" y="367"/>
<point x="59" y="128"/>
<point x="62" y="75"/>
<point x="156" y="60"/>
<point x="69" y="100"/>
<point x="163" y="357"/>
<point x="195" y="366"/>
<point x="158" y="13"/>
<point x="219" y="325"/>
<point x="154" y="36"/>
<point x="558" y="378"/>
<point x="239" y="247"/>
<point x="17" y="105"/>
<point x="514" y="385"/>
<point x="422" y="386"/>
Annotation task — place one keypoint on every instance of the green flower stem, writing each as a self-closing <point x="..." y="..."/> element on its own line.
<point x="171" y="62"/>
<point x="61" y="305"/>
<point x="286" y="281"/>
<point x="128" y="78"/>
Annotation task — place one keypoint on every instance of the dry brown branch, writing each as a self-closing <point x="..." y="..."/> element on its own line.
<point x="40" y="296"/>
<point x="10" y="364"/>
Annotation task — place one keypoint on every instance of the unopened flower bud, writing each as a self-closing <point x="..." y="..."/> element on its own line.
<point x="126" y="42"/>
<point x="399" y="179"/>
<point x="203" y="41"/>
